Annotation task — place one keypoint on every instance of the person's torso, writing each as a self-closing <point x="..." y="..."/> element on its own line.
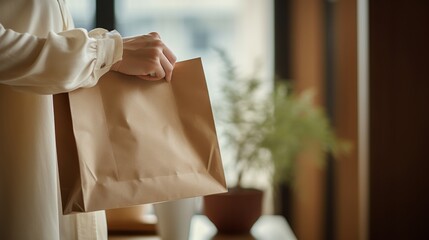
<point x="26" y="119"/>
<point x="36" y="17"/>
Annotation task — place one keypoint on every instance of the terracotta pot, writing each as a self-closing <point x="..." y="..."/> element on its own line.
<point x="234" y="212"/>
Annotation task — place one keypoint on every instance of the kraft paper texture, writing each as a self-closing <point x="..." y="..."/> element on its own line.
<point x="127" y="141"/>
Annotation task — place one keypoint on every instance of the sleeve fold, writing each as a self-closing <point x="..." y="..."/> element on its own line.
<point x="61" y="62"/>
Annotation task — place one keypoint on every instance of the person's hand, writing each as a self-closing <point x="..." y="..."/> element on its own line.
<point x="146" y="57"/>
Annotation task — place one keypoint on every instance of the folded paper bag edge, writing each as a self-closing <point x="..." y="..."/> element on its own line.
<point x="194" y="182"/>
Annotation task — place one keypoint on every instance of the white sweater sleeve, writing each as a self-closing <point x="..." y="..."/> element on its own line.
<point x="61" y="62"/>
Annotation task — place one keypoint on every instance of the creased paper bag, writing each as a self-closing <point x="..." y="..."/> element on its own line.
<point x="127" y="141"/>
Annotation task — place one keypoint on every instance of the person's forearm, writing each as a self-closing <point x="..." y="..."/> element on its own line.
<point x="60" y="62"/>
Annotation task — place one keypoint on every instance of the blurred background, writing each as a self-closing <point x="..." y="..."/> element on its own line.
<point x="366" y="62"/>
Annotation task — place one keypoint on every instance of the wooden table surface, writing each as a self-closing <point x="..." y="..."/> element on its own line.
<point x="268" y="227"/>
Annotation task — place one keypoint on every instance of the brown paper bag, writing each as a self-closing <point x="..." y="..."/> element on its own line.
<point x="127" y="141"/>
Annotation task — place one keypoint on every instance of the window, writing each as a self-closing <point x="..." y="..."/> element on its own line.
<point x="83" y="12"/>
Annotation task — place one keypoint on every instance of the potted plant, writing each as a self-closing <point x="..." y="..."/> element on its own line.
<point x="265" y="132"/>
<point x="242" y="117"/>
<point x="295" y="125"/>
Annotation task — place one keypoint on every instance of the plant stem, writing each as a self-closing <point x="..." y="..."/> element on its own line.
<point x="239" y="179"/>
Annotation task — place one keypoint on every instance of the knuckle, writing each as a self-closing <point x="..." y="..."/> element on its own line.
<point x="154" y="34"/>
<point x="155" y="52"/>
<point x="157" y="43"/>
<point x="149" y="53"/>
